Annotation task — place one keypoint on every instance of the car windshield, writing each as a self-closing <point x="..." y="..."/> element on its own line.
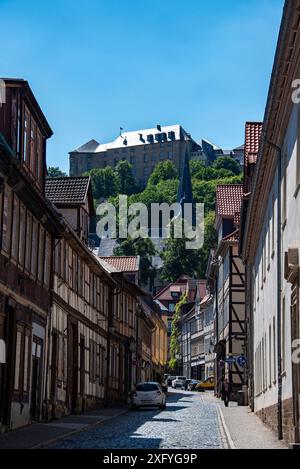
<point x="147" y="387"/>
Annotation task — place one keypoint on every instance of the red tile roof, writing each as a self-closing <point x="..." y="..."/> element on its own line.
<point x="229" y="200"/>
<point x="123" y="263"/>
<point x="252" y="141"/>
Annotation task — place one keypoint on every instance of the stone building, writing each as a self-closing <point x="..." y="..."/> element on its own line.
<point x="271" y="242"/>
<point x="142" y="148"/>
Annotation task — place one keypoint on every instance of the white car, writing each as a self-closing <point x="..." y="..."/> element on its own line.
<point x="179" y="382"/>
<point x="148" y="394"/>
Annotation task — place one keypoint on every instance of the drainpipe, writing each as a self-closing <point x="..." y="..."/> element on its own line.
<point x="279" y="285"/>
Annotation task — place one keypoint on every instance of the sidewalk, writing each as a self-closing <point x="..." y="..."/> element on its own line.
<point x="244" y="430"/>
<point x="41" y="435"/>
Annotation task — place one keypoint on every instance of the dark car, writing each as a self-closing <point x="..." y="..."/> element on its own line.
<point x="192" y="384"/>
<point x="170" y="379"/>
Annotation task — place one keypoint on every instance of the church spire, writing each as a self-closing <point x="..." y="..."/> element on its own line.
<point x="185" y="192"/>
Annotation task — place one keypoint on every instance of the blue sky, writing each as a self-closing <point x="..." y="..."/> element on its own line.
<point x="96" y="65"/>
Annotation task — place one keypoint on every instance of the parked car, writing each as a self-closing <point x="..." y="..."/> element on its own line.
<point x="170" y="379"/>
<point x="191" y="386"/>
<point x="206" y="385"/>
<point x="148" y="394"/>
<point x="179" y="382"/>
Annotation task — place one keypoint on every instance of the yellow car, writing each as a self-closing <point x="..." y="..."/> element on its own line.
<point x="206" y="385"/>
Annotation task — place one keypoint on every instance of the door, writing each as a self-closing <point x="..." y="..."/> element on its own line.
<point x="82" y="368"/>
<point x="72" y="365"/>
<point x="36" y="378"/>
<point x="53" y="370"/>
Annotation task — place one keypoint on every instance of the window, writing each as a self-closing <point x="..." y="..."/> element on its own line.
<point x="145" y="158"/>
<point x="22" y="235"/>
<point x="283" y="329"/>
<point x="270" y="355"/>
<point x="33" y="157"/>
<point x="274" y="351"/>
<point x="93" y="360"/>
<point x="34" y="247"/>
<point x="41" y="259"/>
<point x="23" y="343"/>
<point x="171" y="307"/>
<point x="269" y="245"/>
<point x="28" y="242"/>
<point x="273" y="224"/>
<point x="47" y="260"/>
<point x="39" y="155"/>
<point x="6" y="220"/>
<point x="284" y="189"/>
<point x="26" y="137"/>
<point x="15" y="230"/>
<point x="70" y="264"/>
<point x="57" y="257"/>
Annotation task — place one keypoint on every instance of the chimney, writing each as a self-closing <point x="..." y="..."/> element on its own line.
<point x="158" y="127"/>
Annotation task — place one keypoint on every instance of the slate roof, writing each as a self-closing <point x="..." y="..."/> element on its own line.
<point x="123" y="263"/>
<point x="229" y="199"/>
<point x="67" y="190"/>
<point x="252" y="141"/>
<point x="135" y="138"/>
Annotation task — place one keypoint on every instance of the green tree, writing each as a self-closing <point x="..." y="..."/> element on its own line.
<point x="207" y="173"/>
<point x="178" y="260"/>
<point x="126" y="180"/>
<point x="163" y="171"/>
<point x="104" y="182"/>
<point x="228" y="163"/>
<point x="210" y="241"/>
<point x="175" y="334"/>
<point x="55" y="172"/>
<point x="205" y="191"/>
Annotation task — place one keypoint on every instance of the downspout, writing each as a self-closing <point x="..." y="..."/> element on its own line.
<point x="109" y="323"/>
<point x="279" y="285"/>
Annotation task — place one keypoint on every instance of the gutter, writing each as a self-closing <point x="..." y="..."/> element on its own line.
<point x="279" y="284"/>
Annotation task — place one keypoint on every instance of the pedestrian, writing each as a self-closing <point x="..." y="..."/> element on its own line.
<point x="225" y="392"/>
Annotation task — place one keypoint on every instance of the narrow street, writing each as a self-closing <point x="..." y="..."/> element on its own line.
<point x="190" y="421"/>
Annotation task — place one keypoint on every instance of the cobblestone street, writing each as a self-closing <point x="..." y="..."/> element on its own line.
<point x="191" y="420"/>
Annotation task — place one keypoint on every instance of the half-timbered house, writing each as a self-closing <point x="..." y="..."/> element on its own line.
<point x="78" y="324"/>
<point x="230" y="288"/>
<point x="28" y="227"/>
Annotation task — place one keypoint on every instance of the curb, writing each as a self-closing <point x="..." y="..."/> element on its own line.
<point x="47" y="443"/>
<point x="224" y="429"/>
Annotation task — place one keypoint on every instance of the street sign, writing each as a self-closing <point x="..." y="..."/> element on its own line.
<point x="230" y="360"/>
<point x="241" y="361"/>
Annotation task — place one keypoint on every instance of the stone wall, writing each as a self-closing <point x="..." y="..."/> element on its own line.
<point x="269" y="417"/>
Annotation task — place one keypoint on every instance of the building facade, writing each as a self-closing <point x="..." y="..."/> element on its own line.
<point x="78" y="324"/>
<point x="228" y="272"/>
<point x="29" y="227"/>
<point x="271" y="243"/>
<point x="142" y="148"/>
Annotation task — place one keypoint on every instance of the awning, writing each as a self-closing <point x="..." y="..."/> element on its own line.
<point x="2" y="351"/>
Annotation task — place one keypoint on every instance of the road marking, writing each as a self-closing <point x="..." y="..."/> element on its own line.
<point x="225" y="429"/>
